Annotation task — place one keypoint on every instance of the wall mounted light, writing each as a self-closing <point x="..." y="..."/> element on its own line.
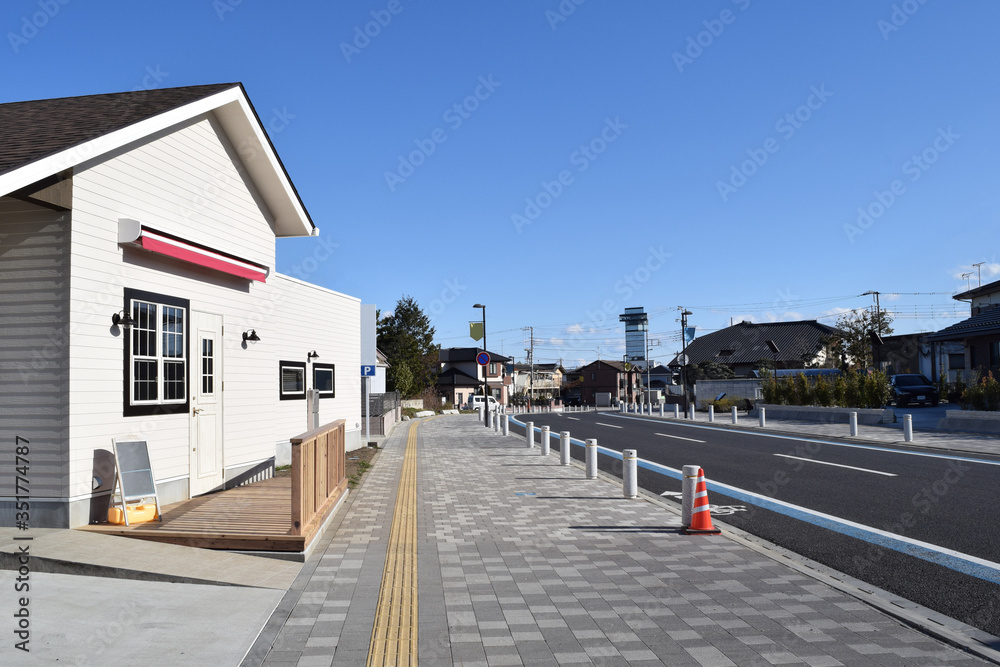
<point x="123" y="320"/>
<point x="251" y="336"/>
<point x="312" y="355"/>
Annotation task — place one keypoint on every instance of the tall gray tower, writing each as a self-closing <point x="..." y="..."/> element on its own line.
<point x="636" y="325"/>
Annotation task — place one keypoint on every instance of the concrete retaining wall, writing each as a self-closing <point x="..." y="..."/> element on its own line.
<point x="707" y="390"/>
<point x="826" y="415"/>
<point x="970" y="421"/>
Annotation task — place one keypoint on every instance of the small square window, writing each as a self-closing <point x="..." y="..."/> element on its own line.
<point x="292" y="379"/>
<point x="324" y="380"/>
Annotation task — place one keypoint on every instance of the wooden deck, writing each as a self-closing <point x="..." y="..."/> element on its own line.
<point x="256" y="517"/>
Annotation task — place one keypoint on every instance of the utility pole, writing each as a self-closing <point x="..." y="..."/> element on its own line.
<point x="531" y="364"/>
<point x="878" y="331"/>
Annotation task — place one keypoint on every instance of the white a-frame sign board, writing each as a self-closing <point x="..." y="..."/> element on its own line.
<point x="133" y="474"/>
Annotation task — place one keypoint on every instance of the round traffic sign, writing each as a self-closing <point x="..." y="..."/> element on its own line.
<point x="483" y="358"/>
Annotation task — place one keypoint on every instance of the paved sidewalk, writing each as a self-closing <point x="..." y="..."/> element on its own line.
<point x="522" y="561"/>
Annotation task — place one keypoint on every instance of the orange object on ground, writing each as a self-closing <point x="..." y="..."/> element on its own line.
<point x="701" y="518"/>
<point x="136" y="514"/>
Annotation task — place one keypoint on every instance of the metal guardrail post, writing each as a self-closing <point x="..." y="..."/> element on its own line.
<point x="688" y="483"/>
<point x="591" y="460"/>
<point x="630" y="483"/>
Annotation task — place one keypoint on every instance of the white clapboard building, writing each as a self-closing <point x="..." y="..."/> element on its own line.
<point x="163" y="206"/>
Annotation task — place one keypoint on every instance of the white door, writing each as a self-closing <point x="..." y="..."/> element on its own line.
<point x="206" y="404"/>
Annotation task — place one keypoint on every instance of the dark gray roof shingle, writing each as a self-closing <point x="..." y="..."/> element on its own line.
<point x="746" y="342"/>
<point x="986" y="322"/>
<point x="39" y="128"/>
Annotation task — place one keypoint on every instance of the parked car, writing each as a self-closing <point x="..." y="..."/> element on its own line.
<point x="476" y="402"/>
<point x="910" y="388"/>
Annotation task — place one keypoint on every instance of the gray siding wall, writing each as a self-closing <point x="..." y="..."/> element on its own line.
<point x="34" y="357"/>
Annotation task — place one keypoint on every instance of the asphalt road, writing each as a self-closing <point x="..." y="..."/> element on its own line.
<point x="939" y="498"/>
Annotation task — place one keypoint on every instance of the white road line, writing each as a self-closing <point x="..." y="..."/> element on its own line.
<point x="677" y="437"/>
<point x="576" y="419"/>
<point x="608" y="425"/>
<point x="839" y="465"/>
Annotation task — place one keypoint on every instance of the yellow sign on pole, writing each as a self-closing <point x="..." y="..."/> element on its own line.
<point x="476" y="330"/>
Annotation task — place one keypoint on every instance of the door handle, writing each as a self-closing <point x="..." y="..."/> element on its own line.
<point x="196" y="411"/>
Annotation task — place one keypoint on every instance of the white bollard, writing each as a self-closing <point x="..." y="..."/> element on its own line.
<point x="496" y="422"/>
<point x="735" y="415"/>
<point x="564" y="445"/>
<point x="529" y="434"/>
<point x="711" y="413"/>
<point x="688" y="483"/>
<point x="677" y="411"/>
<point x="545" y="441"/>
<point x="506" y="425"/>
<point x="487" y="415"/>
<point x="691" y="412"/>
<point x="854" y="424"/>
<point x="661" y="409"/>
<point x="907" y="428"/>
<point x="630" y="467"/>
<point x="479" y="413"/>
<point x="591" y="458"/>
<point x="763" y="421"/>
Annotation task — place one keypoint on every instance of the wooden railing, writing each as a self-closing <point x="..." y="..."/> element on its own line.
<point x="318" y="480"/>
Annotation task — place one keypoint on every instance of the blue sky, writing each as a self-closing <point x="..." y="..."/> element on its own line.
<point x="560" y="162"/>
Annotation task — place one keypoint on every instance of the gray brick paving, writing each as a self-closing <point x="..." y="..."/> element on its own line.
<point x="571" y="575"/>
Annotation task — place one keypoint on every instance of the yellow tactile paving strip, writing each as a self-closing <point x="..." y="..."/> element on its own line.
<point x="394" y="637"/>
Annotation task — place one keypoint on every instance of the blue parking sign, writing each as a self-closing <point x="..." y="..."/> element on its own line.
<point x="367" y="371"/>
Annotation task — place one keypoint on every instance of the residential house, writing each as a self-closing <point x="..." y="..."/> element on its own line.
<point x="461" y="376"/>
<point x="979" y="335"/>
<point x="742" y="346"/>
<point x="537" y="380"/>
<point x="139" y="296"/>
<point x="601" y="376"/>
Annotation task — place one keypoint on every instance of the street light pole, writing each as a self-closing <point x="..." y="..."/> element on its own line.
<point x="684" y="314"/>
<point x="486" y="368"/>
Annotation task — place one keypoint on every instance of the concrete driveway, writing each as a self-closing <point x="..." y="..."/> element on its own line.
<point x="925" y="418"/>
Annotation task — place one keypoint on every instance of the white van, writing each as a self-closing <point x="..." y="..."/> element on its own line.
<point x="476" y="402"/>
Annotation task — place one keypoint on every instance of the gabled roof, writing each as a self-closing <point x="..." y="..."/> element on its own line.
<point x="459" y="354"/>
<point x="456" y="378"/>
<point x="616" y="365"/>
<point x="986" y="322"/>
<point x="988" y="288"/>
<point x="42" y="138"/>
<point x="746" y="342"/>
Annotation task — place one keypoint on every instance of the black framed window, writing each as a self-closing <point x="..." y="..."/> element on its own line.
<point x="324" y="380"/>
<point x="291" y="380"/>
<point x="156" y="354"/>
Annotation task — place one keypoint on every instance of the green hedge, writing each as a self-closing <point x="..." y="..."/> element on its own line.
<point x="847" y="390"/>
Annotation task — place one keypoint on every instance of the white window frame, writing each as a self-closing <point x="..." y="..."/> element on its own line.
<point x="291" y="395"/>
<point x="161" y="304"/>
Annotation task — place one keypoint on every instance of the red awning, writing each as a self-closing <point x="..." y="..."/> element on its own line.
<point x="172" y="246"/>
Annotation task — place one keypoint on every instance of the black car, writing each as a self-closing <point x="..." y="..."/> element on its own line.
<point x="913" y="388"/>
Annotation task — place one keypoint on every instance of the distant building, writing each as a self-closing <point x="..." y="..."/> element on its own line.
<point x="462" y="377"/>
<point x="743" y="346"/>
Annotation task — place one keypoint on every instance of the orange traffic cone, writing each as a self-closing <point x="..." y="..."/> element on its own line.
<point x="701" y="519"/>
